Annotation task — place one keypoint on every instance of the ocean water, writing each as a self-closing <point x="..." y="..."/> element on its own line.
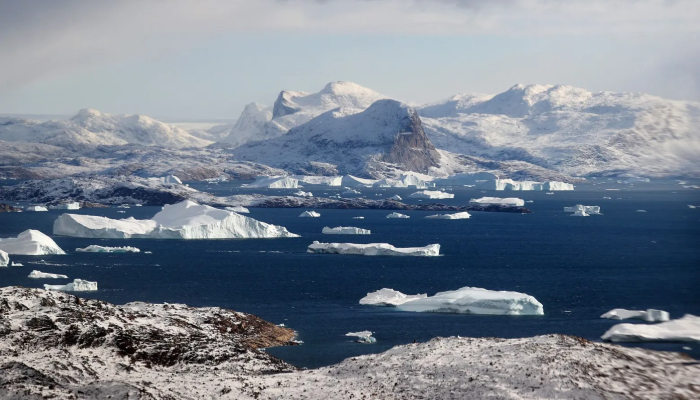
<point x="578" y="268"/>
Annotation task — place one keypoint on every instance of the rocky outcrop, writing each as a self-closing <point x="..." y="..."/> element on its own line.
<point x="412" y="150"/>
<point x="367" y="204"/>
<point x="8" y="208"/>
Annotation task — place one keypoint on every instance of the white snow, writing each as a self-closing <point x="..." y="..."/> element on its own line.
<point x="30" y="242"/>
<point x="78" y="285"/>
<point x="184" y="220"/>
<point x="4" y="258"/>
<point x="373" y="249"/>
<point x="469" y="300"/>
<point x="431" y="194"/>
<point x="36" y="208"/>
<point x="302" y="193"/>
<point x="459" y="215"/>
<point x="45" y="275"/>
<point x="309" y="214"/>
<point x="650" y="315"/>
<point x="686" y="329"/>
<point x="389" y="297"/>
<point x="275" y="182"/>
<point x="363" y="337"/>
<point x="93" y="248"/>
<point x="66" y="206"/>
<point x="397" y="215"/>
<point x="239" y="209"/>
<point x="593" y="210"/>
<point x="346" y="230"/>
<point x="395" y="197"/>
<point x="509" y="201"/>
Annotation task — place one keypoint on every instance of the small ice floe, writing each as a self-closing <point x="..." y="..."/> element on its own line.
<point x="691" y="206"/>
<point x="395" y="197"/>
<point x="686" y="329"/>
<point x="459" y="215"/>
<point x="641" y="211"/>
<point x="123" y="206"/>
<point x="397" y="215"/>
<point x="309" y="214"/>
<point x="104" y="249"/>
<point x="431" y="194"/>
<point x="350" y="192"/>
<point x="373" y="249"/>
<point x="45" y="275"/>
<point x="147" y="252"/>
<point x="363" y="337"/>
<point x="687" y="348"/>
<point x="78" y="285"/>
<point x="588" y="210"/>
<point x="16" y="264"/>
<point x="549" y="193"/>
<point x="345" y="230"/>
<point x="530" y="201"/>
<point x="650" y="315"/>
<point x="360" y="217"/>
<point x="121" y="212"/>
<point x="607" y="197"/>
<point x="302" y="193"/>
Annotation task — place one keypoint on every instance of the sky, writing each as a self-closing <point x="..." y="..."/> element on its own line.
<point x="206" y="59"/>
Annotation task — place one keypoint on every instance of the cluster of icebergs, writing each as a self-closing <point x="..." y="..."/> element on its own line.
<point x="373" y="249"/>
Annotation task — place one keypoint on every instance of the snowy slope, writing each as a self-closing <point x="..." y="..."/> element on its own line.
<point x="250" y="125"/>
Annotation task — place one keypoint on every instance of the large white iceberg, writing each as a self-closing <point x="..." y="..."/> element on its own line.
<point x="184" y="220"/>
<point x="389" y="297"/>
<point x="686" y="329"/>
<point x="431" y="194"/>
<point x="78" y="285"/>
<point x="45" y="275"/>
<point x="373" y="249"/>
<point x="66" y="206"/>
<point x="459" y="215"/>
<point x="585" y="209"/>
<point x="168" y="180"/>
<point x="397" y="215"/>
<point x="31" y="243"/>
<point x="405" y="182"/>
<point x="93" y="248"/>
<point x="363" y="337"/>
<point x="345" y="230"/>
<point x="36" y="208"/>
<point x="353" y="181"/>
<point x="4" y="259"/>
<point x="275" y="182"/>
<point x="509" y="201"/>
<point x="469" y="300"/>
<point x="239" y="209"/>
<point x="309" y="214"/>
<point x="650" y="315"/>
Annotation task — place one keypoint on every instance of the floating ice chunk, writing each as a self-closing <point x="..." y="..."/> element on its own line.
<point x="36" y="208"/>
<point x="309" y="214"/>
<point x="389" y="297"/>
<point x="549" y="193"/>
<point x="530" y="201"/>
<point x="691" y="206"/>
<point x="16" y="264"/>
<point x="607" y="197"/>
<point x="78" y="285"/>
<point x="469" y="300"/>
<point x="641" y="211"/>
<point x="509" y="184"/>
<point x="45" y="275"/>
<point x="358" y="217"/>
<point x="395" y="197"/>
<point x="275" y="182"/>
<point x="431" y="194"/>
<point x="580" y="213"/>
<point x="373" y="249"/>
<point x="103" y="249"/>
<point x="686" y="329"/>
<point x="397" y="215"/>
<point x="508" y="201"/>
<point x="92" y="226"/>
<point x="363" y="337"/>
<point x="66" y="206"/>
<point x="4" y="259"/>
<point x="459" y="215"/>
<point x="592" y="210"/>
<point x="302" y="193"/>
<point x="346" y="230"/>
<point x="319" y="180"/>
<point x="31" y="243"/>
<point x="650" y="315"/>
<point x="405" y="182"/>
<point x="351" y="192"/>
<point x="239" y="209"/>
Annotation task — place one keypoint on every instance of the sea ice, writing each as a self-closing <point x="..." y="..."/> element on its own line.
<point x="469" y="300"/>
<point x="686" y="329"/>
<point x="4" y="259"/>
<point x="389" y="297"/>
<point x="509" y="201"/>
<point x="102" y="249"/>
<point x="66" y="206"/>
<point x="36" y="208"/>
<point x="45" y="275"/>
<point x="431" y="194"/>
<point x="373" y="249"/>
<point x="309" y="214"/>
<point x="78" y="285"/>
<point x="31" y="243"/>
<point x="650" y="315"/>
<point x="459" y="215"/>
<point x="591" y="210"/>
<point x="239" y="209"/>
<point x="346" y="230"/>
<point x="397" y="215"/>
<point x="363" y="337"/>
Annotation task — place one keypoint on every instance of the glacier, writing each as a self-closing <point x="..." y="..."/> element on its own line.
<point x="31" y="243"/>
<point x="184" y="220"/>
<point x="363" y="337"/>
<point x="78" y="285"/>
<point x="470" y="300"/>
<point x="93" y="248"/>
<point x="397" y="215"/>
<point x="431" y="194"/>
<point x="373" y="249"/>
<point x="45" y="275"/>
<point x="459" y="215"/>
<point x="650" y="315"/>
<point x="509" y="201"/>
<point x="4" y="258"/>
<point x="389" y="297"/>
<point x="345" y="230"/>
<point x="685" y="329"/>
<point x="309" y="214"/>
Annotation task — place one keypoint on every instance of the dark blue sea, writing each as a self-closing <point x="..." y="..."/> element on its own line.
<point x="578" y="268"/>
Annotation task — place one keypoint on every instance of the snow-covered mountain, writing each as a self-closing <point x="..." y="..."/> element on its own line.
<point x="93" y="128"/>
<point x="250" y="126"/>
<point x="388" y="132"/>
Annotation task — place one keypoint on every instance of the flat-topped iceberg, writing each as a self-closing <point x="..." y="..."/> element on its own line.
<point x="309" y="214"/>
<point x="36" y="208"/>
<point x="508" y="201"/>
<point x="650" y="315"/>
<point x="66" y="206"/>
<point x="589" y="210"/>
<point x="373" y="249"/>
<point x="406" y="181"/>
<point x="168" y="180"/>
<point x="78" y="285"/>
<point x="345" y="230"/>
<point x="459" y="215"/>
<point x="397" y="215"/>
<point x="389" y="297"/>
<point x="4" y="258"/>
<point x="16" y="264"/>
<point x="93" y="248"/>
<point x="363" y="337"/>
<point x="319" y="180"/>
<point x="686" y="329"/>
<point x="238" y="209"/>
<point x="275" y="182"/>
<point x="30" y="243"/>
<point x="469" y="300"/>
<point x="45" y="275"/>
<point x="184" y="220"/>
<point x="302" y="193"/>
<point x="431" y="194"/>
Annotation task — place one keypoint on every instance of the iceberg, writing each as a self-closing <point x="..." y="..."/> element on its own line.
<point x="16" y="264"/>
<point x="102" y="249"/>
<point x="397" y="215"/>
<point x="44" y="275"/>
<point x="239" y="209"/>
<point x="36" y="208"/>
<point x="309" y="214"/>
<point x="593" y="210"/>
<point x="353" y="181"/>
<point x="4" y="259"/>
<point x="389" y="297"/>
<point x="373" y="249"/>
<point x="66" y="206"/>
<point x="346" y="230"/>
<point x="184" y="220"/>
<point x="459" y="215"/>
<point x="360" y="217"/>
<point x="169" y="180"/>
<point x="686" y="329"/>
<point x="351" y="192"/>
<point x="431" y="194"/>
<point x="509" y="201"/>
<point x="78" y="285"/>
<point x="472" y="178"/>
<point x="319" y="180"/>
<point x="509" y="184"/>
<point x="580" y="213"/>
<point x="406" y="181"/>
<point x="30" y="243"/>
<point x="649" y="315"/>
<point x="275" y="182"/>
<point x="302" y="193"/>
<point x="395" y="197"/>
<point x="469" y="300"/>
<point x="363" y="337"/>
